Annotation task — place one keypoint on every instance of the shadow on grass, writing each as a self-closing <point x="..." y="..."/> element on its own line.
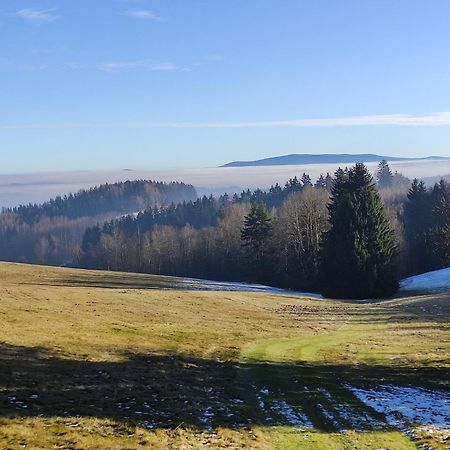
<point x="167" y="391"/>
<point x="113" y="280"/>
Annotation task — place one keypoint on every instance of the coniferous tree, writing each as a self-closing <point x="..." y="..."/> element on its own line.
<point x="417" y="222"/>
<point x="329" y="182"/>
<point x="254" y="235"/>
<point x="321" y="182"/>
<point x="441" y="222"/>
<point x="358" y="258"/>
<point x="306" y="180"/>
<point x="384" y="175"/>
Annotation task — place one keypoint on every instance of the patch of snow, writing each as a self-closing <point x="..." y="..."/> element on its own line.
<point x="228" y="286"/>
<point x="261" y="403"/>
<point x="330" y="417"/>
<point x="407" y="406"/>
<point x="207" y="418"/>
<point x="264" y="391"/>
<point x="436" y="281"/>
<point x="358" y="420"/>
<point x="292" y="416"/>
<point x="148" y="425"/>
<point x="13" y="400"/>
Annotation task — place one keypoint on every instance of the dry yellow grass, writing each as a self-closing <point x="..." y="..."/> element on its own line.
<point x="106" y="360"/>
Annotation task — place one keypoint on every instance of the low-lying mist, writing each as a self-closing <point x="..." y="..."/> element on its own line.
<point x="18" y="189"/>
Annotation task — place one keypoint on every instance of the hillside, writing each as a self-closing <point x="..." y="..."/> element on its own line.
<point x="52" y="232"/>
<point x="430" y="282"/>
<point x="105" y="360"/>
<point x="304" y="159"/>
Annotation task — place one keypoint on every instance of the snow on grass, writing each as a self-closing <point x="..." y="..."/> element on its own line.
<point x="292" y="416"/>
<point x="207" y="418"/>
<point x="404" y="407"/>
<point x="264" y="392"/>
<point x="228" y="286"/>
<point x="330" y="417"/>
<point x="358" y="420"/>
<point x="437" y="281"/>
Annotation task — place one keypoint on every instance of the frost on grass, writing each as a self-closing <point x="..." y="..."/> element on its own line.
<point x="411" y="409"/>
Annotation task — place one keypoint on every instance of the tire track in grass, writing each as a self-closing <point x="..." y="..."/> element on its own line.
<point x="310" y="404"/>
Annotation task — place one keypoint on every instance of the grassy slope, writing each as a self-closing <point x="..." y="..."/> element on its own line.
<point x="103" y="360"/>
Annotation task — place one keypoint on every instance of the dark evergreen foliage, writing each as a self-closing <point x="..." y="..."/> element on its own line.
<point x="427" y="227"/>
<point x="417" y="221"/>
<point x="441" y="222"/>
<point x="122" y="197"/>
<point x="158" y="228"/>
<point x="51" y="233"/>
<point x="358" y="259"/>
<point x="254" y="235"/>
<point x="385" y="178"/>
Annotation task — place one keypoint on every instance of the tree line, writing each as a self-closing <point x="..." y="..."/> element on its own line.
<point x="345" y="236"/>
<point x="52" y="232"/>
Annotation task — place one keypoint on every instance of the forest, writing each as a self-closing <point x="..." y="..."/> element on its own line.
<point x="300" y="236"/>
<point x="344" y="235"/>
<point x="51" y="233"/>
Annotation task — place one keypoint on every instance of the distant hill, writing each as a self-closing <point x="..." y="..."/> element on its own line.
<point x="302" y="159"/>
<point x="52" y="232"/>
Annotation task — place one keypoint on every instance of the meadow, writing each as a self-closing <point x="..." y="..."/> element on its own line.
<point x="104" y="360"/>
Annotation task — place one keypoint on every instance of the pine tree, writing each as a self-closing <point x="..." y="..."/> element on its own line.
<point x="321" y="182"/>
<point x="358" y="257"/>
<point x="328" y="182"/>
<point x="385" y="178"/>
<point x="441" y="222"/>
<point x="418" y="224"/>
<point x="293" y="185"/>
<point x="306" y="180"/>
<point x="254" y="235"/>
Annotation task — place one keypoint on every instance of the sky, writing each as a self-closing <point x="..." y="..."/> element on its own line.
<point x="163" y="84"/>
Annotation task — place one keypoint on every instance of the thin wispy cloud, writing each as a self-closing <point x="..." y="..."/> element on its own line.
<point x="117" y="66"/>
<point x="143" y="14"/>
<point x="430" y="120"/>
<point x="37" y="15"/>
<point x="167" y="67"/>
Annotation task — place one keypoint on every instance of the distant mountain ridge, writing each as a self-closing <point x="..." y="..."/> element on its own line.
<point x="325" y="158"/>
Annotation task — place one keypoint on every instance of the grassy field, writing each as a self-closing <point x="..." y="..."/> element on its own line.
<point x="100" y="360"/>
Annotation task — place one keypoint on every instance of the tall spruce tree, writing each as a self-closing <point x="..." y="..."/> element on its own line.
<point x="254" y="235"/>
<point x="358" y="257"/>
<point x="306" y="180"/>
<point x="385" y="179"/>
<point x="441" y="222"/>
<point x="418" y="224"/>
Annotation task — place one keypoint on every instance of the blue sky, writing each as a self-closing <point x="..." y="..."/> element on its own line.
<point x="112" y="84"/>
